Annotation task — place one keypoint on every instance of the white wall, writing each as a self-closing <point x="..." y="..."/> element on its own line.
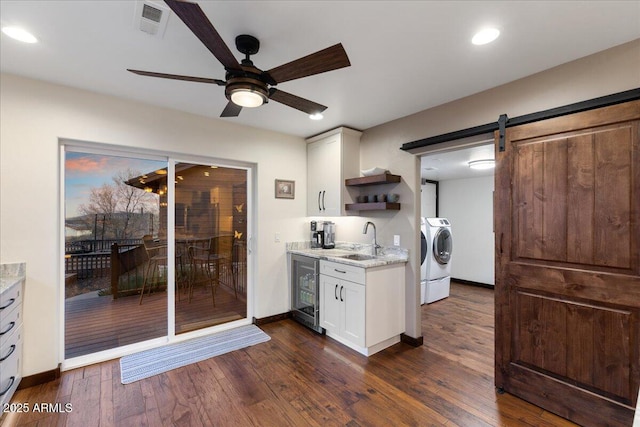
<point x="34" y="115"/>
<point x="468" y="204"/>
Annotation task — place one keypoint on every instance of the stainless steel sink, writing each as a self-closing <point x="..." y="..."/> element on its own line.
<point x="358" y="257"/>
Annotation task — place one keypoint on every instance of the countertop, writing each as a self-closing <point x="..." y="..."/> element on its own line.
<point x="386" y="255"/>
<point x="10" y="274"/>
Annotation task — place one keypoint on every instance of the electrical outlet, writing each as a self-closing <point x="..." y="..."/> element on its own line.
<point x="277" y="238"/>
<point x="396" y="240"/>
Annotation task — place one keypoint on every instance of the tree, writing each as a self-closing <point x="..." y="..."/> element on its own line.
<point x="123" y="211"/>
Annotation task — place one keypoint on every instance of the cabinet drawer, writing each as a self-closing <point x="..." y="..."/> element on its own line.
<point x="9" y="323"/>
<point x="10" y="370"/>
<point x="343" y="271"/>
<point x="10" y="299"/>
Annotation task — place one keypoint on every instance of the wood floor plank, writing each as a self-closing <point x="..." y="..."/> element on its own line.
<point x="301" y="378"/>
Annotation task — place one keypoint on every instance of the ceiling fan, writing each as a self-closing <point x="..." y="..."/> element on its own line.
<point x="245" y="84"/>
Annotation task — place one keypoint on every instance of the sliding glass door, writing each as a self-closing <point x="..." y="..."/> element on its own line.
<point x="153" y="248"/>
<point x="210" y="242"/>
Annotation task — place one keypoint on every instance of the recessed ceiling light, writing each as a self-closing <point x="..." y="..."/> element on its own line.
<point x="482" y="164"/>
<point x="485" y="36"/>
<point x="316" y="116"/>
<point x="19" y="34"/>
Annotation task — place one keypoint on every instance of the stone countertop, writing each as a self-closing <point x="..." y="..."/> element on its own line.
<point x="386" y="255"/>
<point x="10" y="274"/>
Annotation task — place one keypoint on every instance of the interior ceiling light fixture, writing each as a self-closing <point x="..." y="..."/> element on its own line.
<point x="316" y="116"/>
<point x="248" y="95"/>
<point x="20" y="34"/>
<point x="485" y="36"/>
<point x="482" y="164"/>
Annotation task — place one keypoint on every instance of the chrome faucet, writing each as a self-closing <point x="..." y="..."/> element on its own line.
<point x="375" y="246"/>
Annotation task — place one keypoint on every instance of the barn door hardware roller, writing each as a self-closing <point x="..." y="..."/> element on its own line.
<point x="502" y="124"/>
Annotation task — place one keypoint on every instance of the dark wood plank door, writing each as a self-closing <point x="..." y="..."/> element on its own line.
<point x="567" y="212"/>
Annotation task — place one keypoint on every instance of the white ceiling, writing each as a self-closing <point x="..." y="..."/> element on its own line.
<point x="454" y="164"/>
<point x="406" y="56"/>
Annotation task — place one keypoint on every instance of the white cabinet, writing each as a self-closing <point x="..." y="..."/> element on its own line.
<point x="343" y="305"/>
<point x="362" y="308"/>
<point x="11" y="290"/>
<point x="331" y="157"/>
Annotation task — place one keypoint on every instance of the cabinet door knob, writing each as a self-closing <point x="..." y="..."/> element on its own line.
<point x="335" y="292"/>
<point x="341" y="289"/>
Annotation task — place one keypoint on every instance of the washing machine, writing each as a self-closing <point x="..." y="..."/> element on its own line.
<point x="423" y="259"/>
<point x="438" y="259"/>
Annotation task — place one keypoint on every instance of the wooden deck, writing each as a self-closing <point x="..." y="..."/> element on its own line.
<point x="300" y="378"/>
<point x="100" y="323"/>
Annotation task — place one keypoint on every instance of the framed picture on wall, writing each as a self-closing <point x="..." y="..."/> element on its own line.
<point x="285" y="189"/>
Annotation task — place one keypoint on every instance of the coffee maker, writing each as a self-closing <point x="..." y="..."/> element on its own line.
<point x="328" y="235"/>
<point x="316" y="236"/>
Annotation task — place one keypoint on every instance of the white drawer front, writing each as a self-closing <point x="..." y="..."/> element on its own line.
<point x="343" y="271"/>
<point x="10" y="370"/>
<point x="10" y="323"/>
<point x="10" y="299"/>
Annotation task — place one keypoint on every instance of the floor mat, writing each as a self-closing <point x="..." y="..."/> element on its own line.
<point x="147" y="363"/>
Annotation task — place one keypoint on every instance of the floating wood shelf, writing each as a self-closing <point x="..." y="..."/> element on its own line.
<point x="385" y="178"/>
<point x="372" y="206"/>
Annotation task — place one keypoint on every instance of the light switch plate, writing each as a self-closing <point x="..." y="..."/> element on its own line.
<point x="396" y="240"/>
<point x="276" y="238"/>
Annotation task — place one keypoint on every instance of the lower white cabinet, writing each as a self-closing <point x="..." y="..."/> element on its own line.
<point x="362" y="308"/>
<point x="343" y="303"/>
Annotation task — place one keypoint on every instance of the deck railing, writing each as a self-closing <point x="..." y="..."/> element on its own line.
<point x="87" y="246"/>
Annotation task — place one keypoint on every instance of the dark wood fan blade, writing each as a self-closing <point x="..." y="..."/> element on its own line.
<point x="199" y="24"/>
<point x="179" y="77"/>
<point x="296" y="102"/>
<point x="328" y="59"/>
<point x="231" y="110"/>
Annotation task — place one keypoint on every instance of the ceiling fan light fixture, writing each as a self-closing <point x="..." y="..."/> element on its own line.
<point x="482" y="164"/>
<point x="247" y="98"/>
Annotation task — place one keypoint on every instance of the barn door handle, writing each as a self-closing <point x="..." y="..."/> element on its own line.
<point x="501" y="238"/>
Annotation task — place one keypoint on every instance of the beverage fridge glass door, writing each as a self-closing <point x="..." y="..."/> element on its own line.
<point x="304" y="290"/>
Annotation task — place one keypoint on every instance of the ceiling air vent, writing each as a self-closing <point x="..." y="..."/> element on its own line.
<point x="151" y="18"/>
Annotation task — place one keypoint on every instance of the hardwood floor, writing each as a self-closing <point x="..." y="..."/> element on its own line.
<point x="299" y="378"/>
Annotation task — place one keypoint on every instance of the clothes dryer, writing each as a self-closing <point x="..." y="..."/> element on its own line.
<point x="423" y="259"/>
<point x="440" y="249"/>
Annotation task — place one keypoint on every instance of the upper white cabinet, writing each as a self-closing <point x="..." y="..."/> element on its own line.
<point x="331" y="158"/>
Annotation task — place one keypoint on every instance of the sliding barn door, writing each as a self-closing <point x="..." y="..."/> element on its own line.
<point x="567" y="212"/>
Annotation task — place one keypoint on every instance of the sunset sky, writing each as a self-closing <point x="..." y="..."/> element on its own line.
<point x="84" y="171"/>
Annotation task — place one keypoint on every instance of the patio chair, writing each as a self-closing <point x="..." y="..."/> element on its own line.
<point x="216" y="262"/>
<point x="156" y="256"/>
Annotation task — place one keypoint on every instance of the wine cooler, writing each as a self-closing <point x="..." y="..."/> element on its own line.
<point x="305" y="295"/>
